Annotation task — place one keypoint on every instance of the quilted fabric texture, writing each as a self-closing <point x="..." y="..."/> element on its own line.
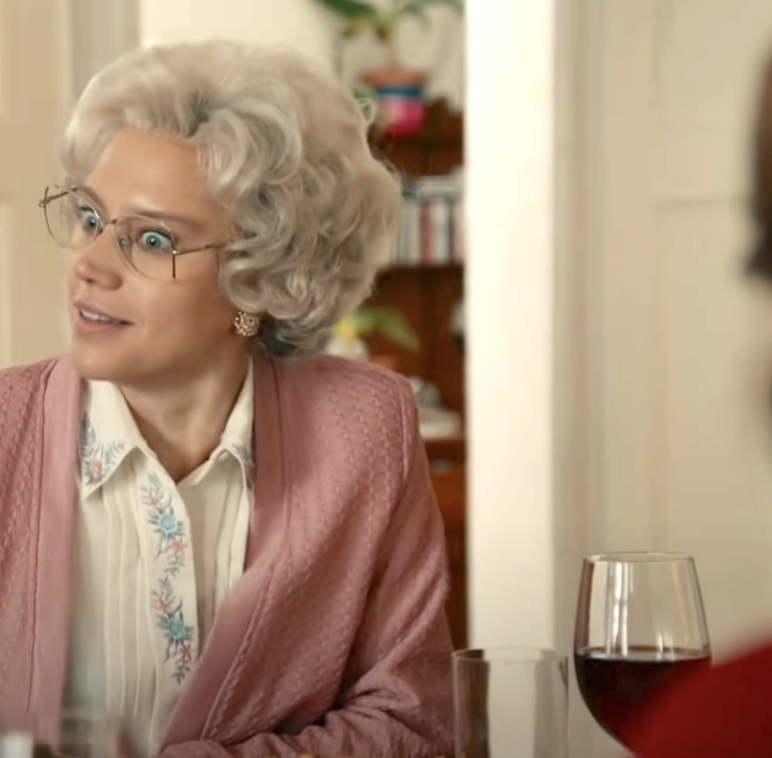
<point x="334" y="643"/>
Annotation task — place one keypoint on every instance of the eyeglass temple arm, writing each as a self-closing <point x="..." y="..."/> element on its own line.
<point x="50" y="198"/>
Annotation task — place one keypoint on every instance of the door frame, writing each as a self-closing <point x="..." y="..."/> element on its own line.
<point x="604" y="205"/>
<point x="96" y="33"/>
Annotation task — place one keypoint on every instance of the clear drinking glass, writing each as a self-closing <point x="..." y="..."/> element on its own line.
<point x="510" y="703"/>
<point x="82" y="734"/>
<point x="85" y="734"/>
<point x="640" y="625"/>
<point x="16" y="744"/>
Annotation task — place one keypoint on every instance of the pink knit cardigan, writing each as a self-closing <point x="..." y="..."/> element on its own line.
<point x="333" y="643"/>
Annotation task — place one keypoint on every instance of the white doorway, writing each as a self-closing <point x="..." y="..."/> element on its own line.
<point x="678" y="361"/>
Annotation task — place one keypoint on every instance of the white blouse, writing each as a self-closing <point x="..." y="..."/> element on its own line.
<point x="153" y="561"/>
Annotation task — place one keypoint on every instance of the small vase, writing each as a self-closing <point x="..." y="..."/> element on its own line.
<point x="401" y="99"/>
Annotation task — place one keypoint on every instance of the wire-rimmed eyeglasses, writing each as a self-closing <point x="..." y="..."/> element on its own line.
<point x="147" y="245"/>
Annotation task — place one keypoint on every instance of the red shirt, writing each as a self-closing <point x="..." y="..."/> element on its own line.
<point x="723" y="712"/>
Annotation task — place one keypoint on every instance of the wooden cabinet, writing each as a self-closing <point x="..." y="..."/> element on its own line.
<point x="427" y="295"/>
<point x="450" y="489"/>
<point x="437" y="150"/>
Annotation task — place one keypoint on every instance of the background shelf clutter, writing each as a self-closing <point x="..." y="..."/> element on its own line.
<point x="432" y="222"/>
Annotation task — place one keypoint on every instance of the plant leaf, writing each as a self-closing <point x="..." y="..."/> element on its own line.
<point x="419" y="13"/>
<point x="400" y="333"/>
<point x="419" y="6"/>
<point x="364" y="320"/>
<point x="393" y="325"/>
<point x="356" y="26"/>
<point x="388" y="322"/>
<point x="384" y="29"/>
<point x="350" y="9"/>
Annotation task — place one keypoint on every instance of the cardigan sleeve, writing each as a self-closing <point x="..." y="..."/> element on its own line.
<point x="397" y="698"/>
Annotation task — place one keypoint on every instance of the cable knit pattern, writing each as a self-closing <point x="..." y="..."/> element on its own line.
<point x="334" y="643"/>
<point x="21" y="420"/>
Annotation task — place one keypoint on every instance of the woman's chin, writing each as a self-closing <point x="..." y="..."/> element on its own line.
<point x="98" y="365"/>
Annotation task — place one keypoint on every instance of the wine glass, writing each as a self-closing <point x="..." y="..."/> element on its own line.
<point x="640" y="626"/>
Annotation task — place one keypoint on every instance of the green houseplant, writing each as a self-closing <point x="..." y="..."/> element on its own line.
<point x="399" y="89"/>
<point x="348" y="336"/>
<point x="360" y="17"/>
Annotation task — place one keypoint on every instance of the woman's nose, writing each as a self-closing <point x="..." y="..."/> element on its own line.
<point x="99" y="262"/>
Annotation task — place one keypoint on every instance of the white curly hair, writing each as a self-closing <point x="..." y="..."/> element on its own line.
<point x="284" y="151"/>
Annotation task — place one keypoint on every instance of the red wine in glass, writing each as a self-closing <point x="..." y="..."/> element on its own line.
<point x="640" y="628"/>
<point x="617" y="689"/>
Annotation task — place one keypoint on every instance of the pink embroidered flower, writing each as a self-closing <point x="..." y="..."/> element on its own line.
<point x="185" y="653"/>
<point x="178" y="546"/>
<point x="152" y="500"/>
<point x="95" y="468"/>
<point x="97" y="460"/>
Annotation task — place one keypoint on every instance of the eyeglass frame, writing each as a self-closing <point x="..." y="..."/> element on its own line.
<point x="175" y="252"/>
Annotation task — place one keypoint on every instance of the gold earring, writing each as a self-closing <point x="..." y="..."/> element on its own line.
<point x="246" y="324"/>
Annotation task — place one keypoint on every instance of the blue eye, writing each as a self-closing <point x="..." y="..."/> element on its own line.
<point x="155" y="242"/>
<point x="88" y="220"/>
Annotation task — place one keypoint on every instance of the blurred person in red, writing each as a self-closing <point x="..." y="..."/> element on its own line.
<point x="726" y="711"/>
<point x="723" y="712"/>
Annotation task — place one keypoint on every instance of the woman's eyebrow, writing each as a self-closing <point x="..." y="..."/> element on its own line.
<point x="177" y="218"/>
<point x="138" y="210"/>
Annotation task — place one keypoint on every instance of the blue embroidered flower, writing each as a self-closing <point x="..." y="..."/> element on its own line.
<point x="176" y="630"/>
<point x="178" y="634"/>
<point x="167" y="525"/>
<point x="172" y="547"/>
<point x="165" y="522"/>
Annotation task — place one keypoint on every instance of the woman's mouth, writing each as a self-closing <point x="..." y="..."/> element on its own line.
<point x="91" y="320"/>
<point x="99" y="318"/>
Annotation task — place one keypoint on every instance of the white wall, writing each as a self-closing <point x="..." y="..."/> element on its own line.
<point x="300" y="23"/>
<point x="32" y="299"/>
<point x="303" y="24"/>
<point x="98" y="32"/>
<point x="510" y="164"/>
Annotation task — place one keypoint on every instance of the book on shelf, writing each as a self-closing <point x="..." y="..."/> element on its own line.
<point x="432" y="222"/>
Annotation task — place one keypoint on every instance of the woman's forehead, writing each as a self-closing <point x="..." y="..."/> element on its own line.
<point x="151" y="174"/>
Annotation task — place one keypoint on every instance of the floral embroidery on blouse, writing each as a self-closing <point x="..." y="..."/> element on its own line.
<point x="246" y="456"/>
<point x="97" y="461"/>
<point x="172" y="546"/>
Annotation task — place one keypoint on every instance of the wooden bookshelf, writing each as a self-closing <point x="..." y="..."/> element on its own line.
<point x="436" y="151"/>
<point x="427" y="295"/>
<point x="447" y="450"/>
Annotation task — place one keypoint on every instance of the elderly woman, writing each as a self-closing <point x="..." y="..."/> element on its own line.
<point x="209" y="530"/>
